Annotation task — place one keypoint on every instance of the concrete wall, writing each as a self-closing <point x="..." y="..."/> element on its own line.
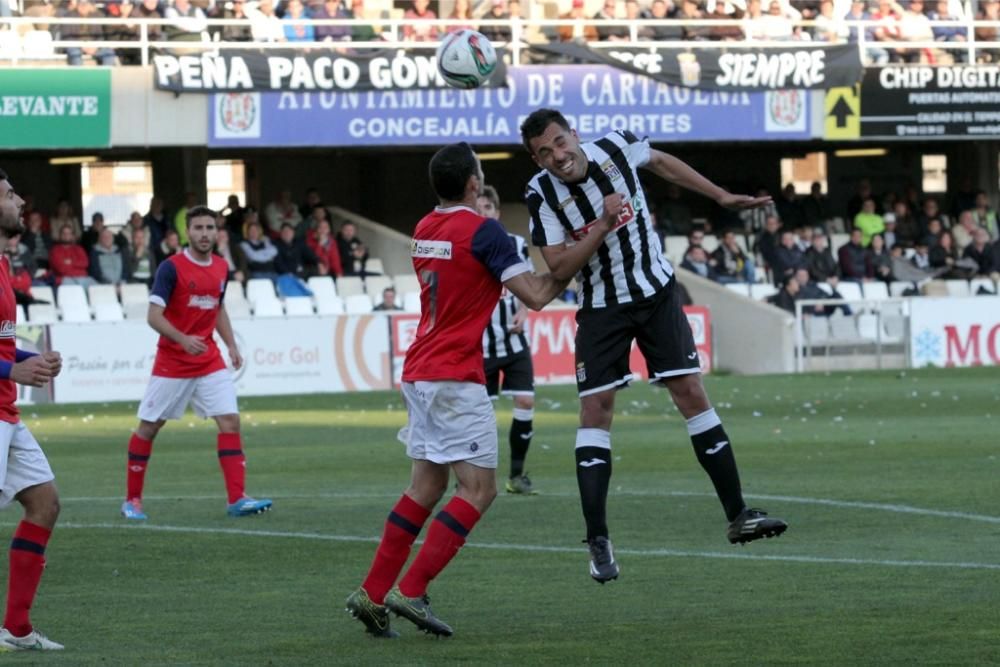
<point x="144" y="116"/>
<point x="749" y="337"/>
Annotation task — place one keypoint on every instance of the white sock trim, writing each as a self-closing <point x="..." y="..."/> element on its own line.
<point x="593" y="437"/>
<point x="706" y="421"/>
<point x="524" y="414"/>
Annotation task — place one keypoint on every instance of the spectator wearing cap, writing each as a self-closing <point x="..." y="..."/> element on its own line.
<point x="577" y="31"/>
<point x="498" y="12"/>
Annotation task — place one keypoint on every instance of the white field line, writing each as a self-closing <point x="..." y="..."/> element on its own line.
<point x="531" y="548"/>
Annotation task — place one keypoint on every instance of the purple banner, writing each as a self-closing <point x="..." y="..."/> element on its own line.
<point x="595" y="98"/>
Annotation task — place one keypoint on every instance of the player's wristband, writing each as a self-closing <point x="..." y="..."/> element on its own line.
<point x="5" y="367"/>
<point x="21" y="355"/>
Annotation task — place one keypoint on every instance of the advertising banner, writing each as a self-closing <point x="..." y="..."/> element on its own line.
<point x="803" y="66"/>
<point x="55" y="107"/>
<point x="288" y="69"/>
<point x="954" y="331"/>
<point x="953" y="102"/>
<point x="552" y="336"/>
<point x="596" y="99"/>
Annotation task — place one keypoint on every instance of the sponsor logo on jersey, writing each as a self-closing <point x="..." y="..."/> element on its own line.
<point x="8" y="329"/>
<point x="611" y="171"/>
<point x="203" y="302"/>
<point x="430" y="249"/>
<point x="628" y="214"/>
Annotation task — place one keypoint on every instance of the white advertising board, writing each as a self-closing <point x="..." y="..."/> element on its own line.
<point x="955" y="331"/>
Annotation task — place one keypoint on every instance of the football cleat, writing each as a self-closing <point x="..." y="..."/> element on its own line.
<point x="33" y="641"/>
<point x="521" y="484"/>
<point x="603" y="566"/>
<point x="132" y="510"/>
<point x="248" y="506"/>
<point x="374" y="616"/>
<point x="753" y="524"/>
<point x="417" y="611"/>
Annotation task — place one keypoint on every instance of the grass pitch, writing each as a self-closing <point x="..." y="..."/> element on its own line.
<point x="888" y="480"/>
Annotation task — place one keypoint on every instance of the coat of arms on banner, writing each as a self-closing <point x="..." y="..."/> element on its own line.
<point x="237" y="115"/>
<point x="785" y="111"/>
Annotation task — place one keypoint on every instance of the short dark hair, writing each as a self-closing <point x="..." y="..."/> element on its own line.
<point x="199" y="212"/>
<point x="534" y="125"/>
<point x="3" y="175"/>
<point x="490" y="192"/>
<point x="450" y="169"/>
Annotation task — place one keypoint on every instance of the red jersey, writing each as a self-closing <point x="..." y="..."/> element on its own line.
<point x="461" y="260"/>
<point x="191" y="293"/>
<point x="8" y="343"/>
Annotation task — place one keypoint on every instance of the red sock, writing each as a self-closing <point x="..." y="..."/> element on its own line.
<point x="138" y="458"/>
<point x="444" y="538"/>
<point x="27" y="560"/>
<point x="233" y="464"/>
<point x="401" y="529"/>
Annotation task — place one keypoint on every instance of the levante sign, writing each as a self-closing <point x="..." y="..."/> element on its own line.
<point x="55" y="108"/>
<point x="279" y="70"/>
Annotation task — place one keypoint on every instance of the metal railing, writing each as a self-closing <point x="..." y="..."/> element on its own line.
<point x="805" y="346"/>
<point x="524" y="32"/>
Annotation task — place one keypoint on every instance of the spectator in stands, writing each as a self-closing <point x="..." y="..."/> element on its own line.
<point x="819" y="259"/>
<point x="331" y="9"/>
<point x="188" y="22"/>
<point x="696" y="261"/>
<point x="809" y="289"/>
<point x="307" y="230"/>
<point x="965" y="231"/>
<point x="150" y="9"/>
<point x="692" y="12"/>
<point x="609" y="12"/>
<point x="36" y="240"/>
<point x="829" y="27"/>
<point x="64" y="217"/>
<point x="312" y="200"/>
<point x="281" y="212"/>
<point x="803" y="239"/>
<point x="265" y="26"/>
<point x="125" y="237"/>
<point x="696" y="237"/>
<point x="661" y="10"/>
<point x="233" y="216"/>
<point x="944" y="256"/>
<point x="347" y="240"/>
<point x="577" y="31"/>
<point x="889" y="235"/>
<point x="874" y="54"/>
<point x="754" y="220"/>
<point x="879" y="259"/>
<point x="789" y="208"/>
<point x="361" y="32"/>
<point x="297" y="32"/>
<point x="124" y="31"/>
<point x="356" y="266"/>
<point x="947" y="33"/>
<point x="785" y="298"/>
<point x="633" y="12"/>
<point x="723" y="11"/>
<point x="931" y="210"/>
<point x="326" y="249"/>
<point x="731" y="263"/>
<point x="236" y="261"/>
<point x="388" y="300"/>
<point x="933" y="235"/>
<point x="914" y="26"/>
<point x="294" y="256"/>
<point x="5" y="9"/>
<point x="88" y="32"/>
<point x="108" y="263"/>
<point x="985" y="216"/>
<point x="888" y="15"/>
<point x="420" y="33"/>
<point x="787" y="258"/>
<point x="90" y="236"/>
<point x="157" y="221"/>
<point x="853" y="259"/>
<point x="260" y="253"/>
<point x="868" y="221"/>
<point x="498" y="12"/>
<point x="815" y="206"/>
<point x="980" y="251"/>
<point x="461" y="11"/>
<point x="768" y="241"/>
<point x="68" y="260"/>
<point x="20" y="265"/>
<point x="921" y="258"/>
<point x="989" y="10"/>
<point x="778" y="22"/>
<point x="907" y="230"/>
<point x="863" y="192"/>
<point x="235" y="10"/>
<point x="168" y="247"/>
<point x="141" y="261"/>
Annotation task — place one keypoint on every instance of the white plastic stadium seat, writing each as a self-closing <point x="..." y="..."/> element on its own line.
<point x="139" y="293"/>
<point x="260" y="288"/>
<point x="10" y="44"/>
<point x="876" y="291"/>
<point x="743" y="289"/>
<point x="137" y="311"/>
<point x="349" y="286"/>
<point x="268" y="308"/>
<point x="411" y="302"/>
<point x="322" y="287"/>
<point x="75" y="312"/>
<point x="741" y="241"/>
<point x="406" y="283"/>
<point x="674" y="247"/>
<point x="985" y="283"/>
<point x="897" y="288"/>
<point x="817" y="329"/>
<point x="357" y="304"/>
<point x="710" y="243"/>
<point x="108" y="312"/>
<point x="43" y="293"/>
<point x="299" y="306"/>
<point x="957" y="287"/>
<point x="868" y="326"/>
<point x="238" y="308"/>
<point x="38" y="44"/>
<point x="68" y="296"/>
<point x="760" y="292"/>
<point x="102" y="294"/>
<point x="837" y="241"/>
<point x="42" y="313"/>
<point x="849" y="290"/>
<point x="331" y="305"/>
<point x="374" y="265"/>
<point x="22" y="315"/>
<point x="374" y="286"/>
<point x="843" y="328"/>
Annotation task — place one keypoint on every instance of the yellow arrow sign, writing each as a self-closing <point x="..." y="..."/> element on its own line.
<point x="842" y="113"/>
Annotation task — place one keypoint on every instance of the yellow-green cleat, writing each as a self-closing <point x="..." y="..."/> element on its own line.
<point x="374" y="616"/>
<point x="417" y="611"/>
<point x="521" y="484"/>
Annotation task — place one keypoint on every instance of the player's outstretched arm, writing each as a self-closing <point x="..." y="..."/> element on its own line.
<point x="565" y="261"/>
<point x="677" y="171"/>
<point x="536" y="291"/>
<point x="161" y="325"/>
<point x="225" y="328"/>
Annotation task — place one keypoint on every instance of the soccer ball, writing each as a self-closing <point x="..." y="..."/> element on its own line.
<point x="466" y="59"/>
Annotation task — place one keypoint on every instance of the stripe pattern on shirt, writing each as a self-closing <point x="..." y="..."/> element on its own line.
<point x="629" y="266"/>
<point x="498" y="341"/>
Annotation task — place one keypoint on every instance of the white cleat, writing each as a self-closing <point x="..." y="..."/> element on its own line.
<point x="33" y="641"/>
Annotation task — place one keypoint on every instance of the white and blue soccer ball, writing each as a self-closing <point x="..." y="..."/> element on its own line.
<point x="466" y="59"/>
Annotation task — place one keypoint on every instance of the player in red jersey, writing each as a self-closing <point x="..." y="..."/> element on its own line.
<point x="462" y="260"/>
<point x="25" y="475"/>
<point x="185" y="308"/>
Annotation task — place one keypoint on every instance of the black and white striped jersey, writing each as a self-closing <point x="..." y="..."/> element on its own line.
<point x="498" y="341"/>
<point x="629" y="266"/>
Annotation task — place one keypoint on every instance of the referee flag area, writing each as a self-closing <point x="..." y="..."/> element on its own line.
<point x="887" y="480"/>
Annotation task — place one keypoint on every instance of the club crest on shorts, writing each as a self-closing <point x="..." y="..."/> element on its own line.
<point x="581" y="373"/>
<point x="474" y="446"/>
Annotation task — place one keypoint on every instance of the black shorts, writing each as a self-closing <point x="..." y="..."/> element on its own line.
<point x="518" y="375"/>
<point x="604" y="342"/>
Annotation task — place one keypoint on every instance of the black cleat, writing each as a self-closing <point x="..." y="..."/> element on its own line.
<point x="374" y="616"/>
<point x="603" y="566"/>
<point x="753" y="524"/>
<point x="417" y="611"/>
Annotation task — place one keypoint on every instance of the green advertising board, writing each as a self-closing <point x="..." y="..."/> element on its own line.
<point x="55" y="108"/>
